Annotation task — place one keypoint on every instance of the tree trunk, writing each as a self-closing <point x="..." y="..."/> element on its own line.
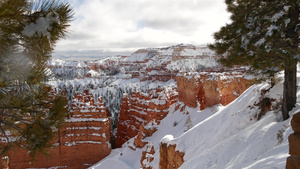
<point x="290" y="72"/>
<point x="289" y="89"/>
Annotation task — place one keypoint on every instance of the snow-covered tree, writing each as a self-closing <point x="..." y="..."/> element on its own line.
<point x="28" y="33"/>
<point x="263" y="35"/>
<point x="188" y="123"/>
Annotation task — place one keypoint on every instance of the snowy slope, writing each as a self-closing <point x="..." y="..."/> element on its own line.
<point x="222" y="137"/>
<point x="235" y="141"/>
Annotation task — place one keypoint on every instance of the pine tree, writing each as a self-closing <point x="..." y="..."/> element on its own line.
<point x="188" y="123"/>
<point x="28" y="33"/>
<point x="263" y="35"/>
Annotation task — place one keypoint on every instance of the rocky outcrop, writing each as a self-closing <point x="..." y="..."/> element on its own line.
<point x="82" y="141"/>
<point x="169" y="158"/>
<point x="147" y="156"/>
<point x="141" y="109"/>
<point x="293" y="161"/>
<point x="188" y="88"/>
<point x="144" y="132"/>
<point x="208" y="89"/>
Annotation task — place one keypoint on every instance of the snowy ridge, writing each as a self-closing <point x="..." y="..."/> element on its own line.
<point x="183" y="58"/>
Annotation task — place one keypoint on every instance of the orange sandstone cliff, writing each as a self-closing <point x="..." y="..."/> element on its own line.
<point x="140" y="109"/>
<point x="208" y="89"/>
<point x="81" y="142"/>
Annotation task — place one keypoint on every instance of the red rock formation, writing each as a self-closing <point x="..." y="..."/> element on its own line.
<point x="209" y="89"/>
<point x="123" y="122"/>
<point x="169" y="158"/>
<point x="293" y="161"/>
<point x="147" y="156"/>
<point x="141" y="109"/>
<point x="188" y="88"/>
<point x="81" y="142"/>
<point x="144" y="132"/>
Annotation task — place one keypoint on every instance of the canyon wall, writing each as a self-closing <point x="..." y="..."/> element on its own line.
<point x="82" y="141"/>
<point x="208" y="89"/>
<point x="204" y="90"/>
<point x="141" y="112"/>
<point x="140" y="109"/>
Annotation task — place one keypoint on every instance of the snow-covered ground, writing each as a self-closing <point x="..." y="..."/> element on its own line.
<point x="222" y="137"/>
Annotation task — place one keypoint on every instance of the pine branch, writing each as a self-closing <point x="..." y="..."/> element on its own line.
<point x="4" y="133"/>
<point x="11" y="125"/>
<point x="22" y="70"/>
<point x="22" y="120"/>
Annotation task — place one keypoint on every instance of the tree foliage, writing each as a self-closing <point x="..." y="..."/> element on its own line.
<point x="188" y="123"/>
<point x="263" y="35"/>
<point x="28" y="32"/>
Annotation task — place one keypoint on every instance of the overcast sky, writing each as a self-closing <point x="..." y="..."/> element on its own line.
<point x="119" y="27"/>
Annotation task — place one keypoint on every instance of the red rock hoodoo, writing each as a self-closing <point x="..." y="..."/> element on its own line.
<point x="293" y="161"/>
<point x="141" y="109"/>
<point x="147" y="156"/>
<point x="81" y="142"/>
<point x="169" y="158"/>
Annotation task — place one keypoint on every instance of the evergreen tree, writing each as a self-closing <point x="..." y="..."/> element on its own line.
<point x="188" y="123"/>
<point x="28" y="33"/>
<point x="263" y="35"/>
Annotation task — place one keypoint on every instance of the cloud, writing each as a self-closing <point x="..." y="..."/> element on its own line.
<point x="118" y="25"/>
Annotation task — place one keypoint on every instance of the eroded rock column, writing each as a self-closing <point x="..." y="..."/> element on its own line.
<point x="293" y="161"/>
<point x="169" y="157"/>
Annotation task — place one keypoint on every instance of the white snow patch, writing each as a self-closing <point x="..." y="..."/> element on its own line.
<point x="42" y="26"/>
<point x="166" y="139"/>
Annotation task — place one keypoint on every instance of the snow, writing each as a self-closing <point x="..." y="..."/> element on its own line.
<point x="62" y="63"/>
<point x="277" y="16"/>
<point x="245" y="41"/>
<point x="271" y="30"/>
<point x="223" y="137"/>
<point x="192" y="64"/>
<point x="69" y="144"/>
<point x="197" y="52"/>
<point x="42" y="26"/>
<point x="153" y="72"/>
<point x="56" y="167"/>
<point x="114" y="163"/>
<point x="190" y="57"/>
<point x="84" y="128"/>
<point x="110" y="89"/>
<point x="166" y="139"/>
<point x="87" y="119"/>
<point x="260" y="42"/>
<point x="286" y="8"/>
